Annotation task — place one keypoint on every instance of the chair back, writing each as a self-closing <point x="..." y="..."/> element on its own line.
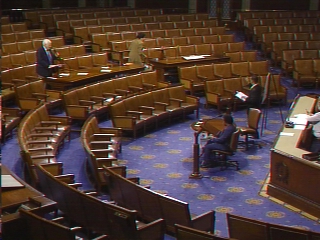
<point x="234" y="140"/>
<point x="254" y="118"/>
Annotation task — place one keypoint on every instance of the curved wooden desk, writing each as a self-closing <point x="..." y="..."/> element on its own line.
<point x="163" y="64"/>
<point x="293" y="179"/>
<point x="71" y="78"/>
<point x="15" y="194"/>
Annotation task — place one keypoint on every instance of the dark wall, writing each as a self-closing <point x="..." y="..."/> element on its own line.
<point x="202" y="6"/>
<point x="280" y="4"/>
<point x="64" y="3"/>
<point x="162" y="3"/>
<point x="9" y="4"/>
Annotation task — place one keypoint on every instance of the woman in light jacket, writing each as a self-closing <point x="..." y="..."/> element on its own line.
<point x="136" y="50"/>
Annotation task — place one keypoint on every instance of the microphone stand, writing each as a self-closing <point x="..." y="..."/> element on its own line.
<point x="196" y="147"/>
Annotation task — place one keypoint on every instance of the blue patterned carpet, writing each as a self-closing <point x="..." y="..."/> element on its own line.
<point x="163" y="160"/>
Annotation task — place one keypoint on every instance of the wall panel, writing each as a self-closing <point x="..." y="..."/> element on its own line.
<point x="280" y="5"/>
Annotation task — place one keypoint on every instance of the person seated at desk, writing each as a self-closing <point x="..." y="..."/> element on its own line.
<point x="45" y="59"/>
<point x="254" y="98"/>
<point x="219" y="142"/>
<point x="136" y="50"/>
<point x="315" y="119"/>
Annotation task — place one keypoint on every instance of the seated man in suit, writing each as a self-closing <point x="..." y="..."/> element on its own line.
<point x="255" y="93"/>
<point x="220" y="142"/>
<point x="45" y="59"/>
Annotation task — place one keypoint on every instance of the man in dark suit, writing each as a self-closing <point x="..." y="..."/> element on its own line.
<point x="220" y="142"/>
<point x="255" y="94"/>
<point x="45" y="59"/>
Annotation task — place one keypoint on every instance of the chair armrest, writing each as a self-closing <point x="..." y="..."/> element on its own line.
<point x="106" y="95"/>
<point x="66" y="178"/>
<point x="122" y="92"/>
<point x="64" y="120"/>
<point x="50" y="123"/>
<point x="152" y="228"/>
<point x="100" y="143"/>
<point x="54" y="94"/>
<point x="203" y="78"/>
<point x="135" y="88"/>
<point x="204" y="222"/>
<point x="103" y="237"/>
<point x="146" y="110"/>
<point x="149" y="85"/>
<point x="176" y="101"/>
<point x="34" y="135"/>
<point x="75" y="185"/>
<point x="15" y="112"/>
<point x="86" y="103"/>
<point x="187" y="79"/>
<point x="40" y="149"/>
<point x="137" y="114"/>
<point x="230" y="91"/>
<point x="16" y="81"/>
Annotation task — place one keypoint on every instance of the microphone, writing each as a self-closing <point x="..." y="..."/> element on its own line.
<point x="56" y="54"/>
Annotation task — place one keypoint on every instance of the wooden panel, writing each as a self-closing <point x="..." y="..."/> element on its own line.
<point x="279" y="5"/>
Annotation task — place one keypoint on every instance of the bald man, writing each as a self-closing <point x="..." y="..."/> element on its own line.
<point x="45" y="59"/>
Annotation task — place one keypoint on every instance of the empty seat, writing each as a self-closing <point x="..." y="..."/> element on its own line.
<point x="203" y="49"/>
<point x="219" y="49"/>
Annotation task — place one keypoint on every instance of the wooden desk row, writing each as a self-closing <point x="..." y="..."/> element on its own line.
<point x="70" y="78"/>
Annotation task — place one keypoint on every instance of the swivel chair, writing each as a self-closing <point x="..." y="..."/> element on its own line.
<point x="223" y="162"/>
<point x="251" y="131"/>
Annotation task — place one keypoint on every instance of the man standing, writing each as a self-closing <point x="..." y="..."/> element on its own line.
<point x="45" y="58"/>
<point x="220" y="142"/>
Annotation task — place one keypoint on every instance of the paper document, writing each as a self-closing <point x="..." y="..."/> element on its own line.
<point x="64" y="74"/>
<point x="105" y="70"/>
<point x="286" y="134"/>
<point x="53" y="65"/>
<point x="82" y="74"/>
<point x="104" y="67"/>
<point x="302" y="115"/>
<point x="241" y="96"/>
<point x="193" y="57"/>
<point x="300" y="121"/>
<point x="299" y="127"/>
<point x="109" y="100"/>
<point x="8" y="181"/>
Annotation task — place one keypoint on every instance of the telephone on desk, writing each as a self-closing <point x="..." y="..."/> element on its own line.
<point x="289" y="124"/>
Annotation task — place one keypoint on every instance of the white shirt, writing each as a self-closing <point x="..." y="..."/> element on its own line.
<point x="316" y="127"/>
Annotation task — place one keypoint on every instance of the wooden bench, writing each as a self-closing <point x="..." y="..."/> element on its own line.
<point x="10" y="120"/>
<point x="38" y="227"/>
<point x="96" y="98"/>
<point x="249" y="229"/>
<point x="187" y="233"/>
<point x="40" y="136"/>
<point x="29" y="95"/>
<point x="149" y="108"/>
<point x="151" y="205"/>
<point x="101" y="146"/>
<point x="99" y="216"/>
